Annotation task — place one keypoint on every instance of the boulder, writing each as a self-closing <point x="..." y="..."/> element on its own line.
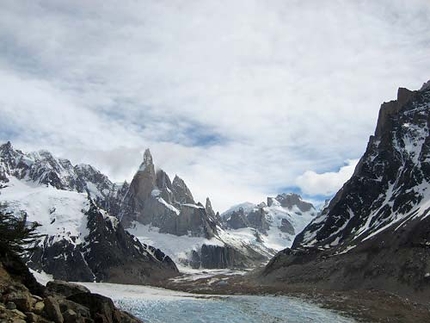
<point x="38" y="307"/>
<point x="65" y="289"/>
<point x="52" y="310"/>
<point x="21" y="299"/>
<point x="70" y="316"/>
<point x="79" y="309"/>
<point x="32" y="317"/>
<point x="102" y="308"/>
<point x="10" y="305"/>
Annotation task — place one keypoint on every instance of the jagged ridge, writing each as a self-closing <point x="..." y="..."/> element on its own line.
<point x="374" y="233"/>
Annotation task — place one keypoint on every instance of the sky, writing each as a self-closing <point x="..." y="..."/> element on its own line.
<point x="242" y="99"/>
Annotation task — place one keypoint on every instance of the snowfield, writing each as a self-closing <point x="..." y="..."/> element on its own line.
<point x="60" y="212"/>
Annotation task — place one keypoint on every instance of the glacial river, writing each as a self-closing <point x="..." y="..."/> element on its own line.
<point x="154" y="305"/>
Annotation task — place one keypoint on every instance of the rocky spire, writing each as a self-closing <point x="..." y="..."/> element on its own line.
<point x="147" y="160"/>
<point x="181" y="191"/>
<point x="139" y="193"/>
<point x="209" y="210"/>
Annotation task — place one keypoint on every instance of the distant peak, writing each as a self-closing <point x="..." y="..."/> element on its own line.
<point x="147" y="157"/>
<point x="178" y="180"/>
<point x="147" y="160"/>
<point x="208" y="203"/>
<point x="7" y="145"/>
<point x="6" y="148"/>
<point x="425" y="86"/>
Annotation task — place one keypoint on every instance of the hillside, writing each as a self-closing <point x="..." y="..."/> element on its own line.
<point x="375" y="231"/>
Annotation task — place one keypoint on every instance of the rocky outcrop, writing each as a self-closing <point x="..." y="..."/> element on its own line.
<point x="61" y="302"/>
<point x="65" y="288"/>
<point x="237" y="220"/>
<point x="374" y="233"/>
<point x="109" y="253"/>
<point x="225" y="256"/>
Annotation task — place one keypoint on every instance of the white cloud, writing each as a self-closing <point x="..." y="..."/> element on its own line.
<point x="325" y="184"/>
<point x="247" y="94"/>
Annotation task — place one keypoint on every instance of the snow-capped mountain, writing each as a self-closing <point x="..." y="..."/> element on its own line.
<point x="374" y="232"/>
<point x="164" y="213"/>
<point x="153" y="199"/>
<point x="278" y="221"/>
<point x="42" y="168"/>
<point x="390" y="185"/>
<point x="82" y="241"/>
<point x="159" y="212"/>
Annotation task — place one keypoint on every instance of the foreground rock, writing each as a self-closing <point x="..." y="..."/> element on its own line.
<point x="60" y="302"/>
<point x="374" y="233"/>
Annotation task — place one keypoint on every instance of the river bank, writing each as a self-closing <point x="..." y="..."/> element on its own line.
<point x="362" y="305"/>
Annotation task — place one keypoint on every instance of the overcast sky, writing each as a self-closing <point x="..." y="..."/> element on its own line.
<point x="240" y="98"/>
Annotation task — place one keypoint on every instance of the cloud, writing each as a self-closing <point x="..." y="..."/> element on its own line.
<point x="325" y="184"/>
<point x="246" y="94"/>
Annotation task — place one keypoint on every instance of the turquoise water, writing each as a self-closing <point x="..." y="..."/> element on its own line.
<point x="231" y="309"/>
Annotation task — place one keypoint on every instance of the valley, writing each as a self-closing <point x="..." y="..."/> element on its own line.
<point x="365" y="254"/>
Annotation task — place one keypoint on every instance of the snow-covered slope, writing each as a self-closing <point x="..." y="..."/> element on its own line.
<point x="277" y="222"/>
<point x="80" y="240"/>
<point x="44" y="169"/>
<point x="60" y="212"/>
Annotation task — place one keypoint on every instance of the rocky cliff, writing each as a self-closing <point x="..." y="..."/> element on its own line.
<point x="374" y="232"/>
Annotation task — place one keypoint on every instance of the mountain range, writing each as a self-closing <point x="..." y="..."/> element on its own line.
<point x="137" y="232"/>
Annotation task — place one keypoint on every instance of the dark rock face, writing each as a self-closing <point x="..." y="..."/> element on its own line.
<point x="108" y="254"/>
<point x="374" y="233"/>
<point x="238" y="220"/>
<point x="220" y="257"/>
<point x="287" y="227"/>
<point x="256" y="219"/>
<point x="62" y="259"/>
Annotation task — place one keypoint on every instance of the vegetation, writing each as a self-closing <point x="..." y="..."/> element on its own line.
<point x="16" y="235"/>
